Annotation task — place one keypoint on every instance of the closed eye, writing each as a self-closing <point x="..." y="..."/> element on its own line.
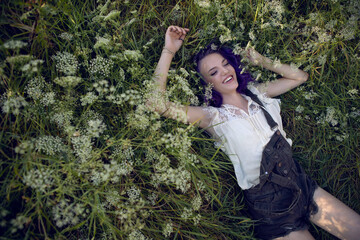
<point x="213" y="73"/>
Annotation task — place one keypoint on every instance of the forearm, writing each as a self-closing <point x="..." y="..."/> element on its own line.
<point x="162" y="69"/>
<point x="285" y="70"/>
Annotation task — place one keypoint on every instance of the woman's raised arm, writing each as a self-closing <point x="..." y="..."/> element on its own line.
<point x="291" y="77"/>
<point x="174" y="39"/>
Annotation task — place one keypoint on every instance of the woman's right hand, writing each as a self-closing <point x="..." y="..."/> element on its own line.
<point x="174" y="37"/>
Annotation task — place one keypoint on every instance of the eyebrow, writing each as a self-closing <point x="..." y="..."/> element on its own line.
<point x="215" y="66"/>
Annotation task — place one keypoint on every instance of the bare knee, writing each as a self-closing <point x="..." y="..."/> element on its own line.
<point x="335" y="217"/>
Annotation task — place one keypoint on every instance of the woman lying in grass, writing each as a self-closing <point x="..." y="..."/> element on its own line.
<point x="245" y="120"/>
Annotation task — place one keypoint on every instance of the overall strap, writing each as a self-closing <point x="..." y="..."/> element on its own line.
<point x="268" y="117"/>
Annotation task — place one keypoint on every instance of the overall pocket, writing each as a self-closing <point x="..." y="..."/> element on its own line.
<point x="271" y="200"/>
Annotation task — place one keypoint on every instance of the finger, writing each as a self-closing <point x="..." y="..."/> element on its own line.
<point x="177" y="29"/>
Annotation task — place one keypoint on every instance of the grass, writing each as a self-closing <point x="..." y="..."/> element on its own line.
<point x="87" y="160"/>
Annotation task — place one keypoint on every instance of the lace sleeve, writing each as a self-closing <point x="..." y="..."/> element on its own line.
<point x="212" y="115"/>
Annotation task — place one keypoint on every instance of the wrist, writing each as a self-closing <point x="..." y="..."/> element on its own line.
<point x="168" y="51"/>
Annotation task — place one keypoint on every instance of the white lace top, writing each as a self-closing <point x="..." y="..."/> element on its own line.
<point x="243" y="137"/>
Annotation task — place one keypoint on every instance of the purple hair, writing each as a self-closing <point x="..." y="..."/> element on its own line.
<point x="234" y="60"/>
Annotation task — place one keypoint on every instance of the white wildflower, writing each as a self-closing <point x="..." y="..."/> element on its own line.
<point x="13" y="104"/>
<point x="353" y="92"/>
<point x="49" y="145"/>
<point x="68" y="81"/>
<point x="197" y="219"/>
<point x="89" y="98"/>
<point x="168" y="229"/>
<point x="19" y="59"/>
<point x="102" y="87"/>
<point x="196" y="203"/>
<point x="35" y="88"/>
<point x="65" y="213"/>
<point x="102" y="42"/>
<point x="62" y="118"/>
<point x="113" y="198"/>
<point x="150" y="42"/>
<point x="180" y="177"/>
<point x="134" y="194"/>
<point x="32" y="66"/>
<point x="310" y="95"/>
<point x="203" y="3"/>
<point x="100" y="66"/>
<point x="153" y="198"/>
<point x="48" y="99"/>
<point x="187" y="213"/>
<point x="111" y="172"/>
<point x="19" y="222"/>
<point x="95" y="128"/>
<point x="112" y="15"/>
<point x="66" y="36"/>
<point x="299" y="109"/>
<point x="342" y="137"/>
<point x="322" y="59"/>
<point x="39" y="179"/>
<point x="137" y="235"/>
<point x="14" y="44"/>
<point x="132" y="55"/>
<point x="24" y="147"/>
<point x="82" y="146"/>
<point x="66" y="63"/>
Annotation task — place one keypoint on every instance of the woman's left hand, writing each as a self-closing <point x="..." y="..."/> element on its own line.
<point x="174" y="37"/>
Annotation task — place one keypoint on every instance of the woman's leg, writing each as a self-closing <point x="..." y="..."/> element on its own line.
<point x="297" y="235"/>
<point x="335" y="217"/>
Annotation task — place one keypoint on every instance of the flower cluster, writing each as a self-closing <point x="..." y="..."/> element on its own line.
<point x="49" y="145"/>
<point x="39" y="179"/>
<point x="111" y="172"/>
<point x="35" y="88"/>
<point x="180" y="177"/>
<point x="66" y="36"/>
<point x="66" y="213"/>
<point x="24" y="147"/>
<point x="102" y="87"/>
<point x="68" y="81"/>
<point x="18" y="223"/>
<point x="32" y="66"/>
<point x="100" y="67"/>
<point x="130" y="96"/>
<point x="14" y="44"/>
<point x="103" y="43"/>
<point x="179" y="140"/>
<point x="82" y="146"/>
<point x="13" y="104"/>
<point x="95" y="128"/>
<point x="66" y="63"/>
<point x="19" y="59"/>
<point x="168" y="229"/>
<point x="62" y="118"/>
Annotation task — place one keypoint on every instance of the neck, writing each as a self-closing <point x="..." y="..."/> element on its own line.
<point x="234" y="98"/>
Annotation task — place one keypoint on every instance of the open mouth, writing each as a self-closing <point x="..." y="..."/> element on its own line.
<point x="228" y="79"/>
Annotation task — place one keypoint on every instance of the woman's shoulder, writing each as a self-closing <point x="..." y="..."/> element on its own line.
<point x="260" y="89"/>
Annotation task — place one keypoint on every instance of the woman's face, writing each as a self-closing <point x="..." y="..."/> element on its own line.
<point x="217" y="70"/>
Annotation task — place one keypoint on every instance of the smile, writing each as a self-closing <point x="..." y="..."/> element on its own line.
<point x="228" y="79"/>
